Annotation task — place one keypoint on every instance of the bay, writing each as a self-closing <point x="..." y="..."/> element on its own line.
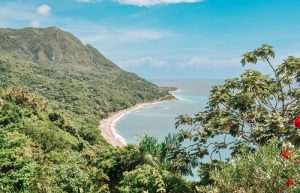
<point x="159" y="119"/>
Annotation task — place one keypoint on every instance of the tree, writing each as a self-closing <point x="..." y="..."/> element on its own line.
<point x="19" y="170"/>
<point x="143" y="179"/>
<point x="163" y="155"/>
<point x="146" y="178"/>
<point x="247" y="111"/>
<point x="266" y="170"/>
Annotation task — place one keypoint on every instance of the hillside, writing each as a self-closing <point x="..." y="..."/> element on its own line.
<point x="53" y="92"/>
<point x="41" y="153"/>
<point x="78" y="81"/>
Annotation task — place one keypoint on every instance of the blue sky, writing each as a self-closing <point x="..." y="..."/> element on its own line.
<point x="169" y="39"/>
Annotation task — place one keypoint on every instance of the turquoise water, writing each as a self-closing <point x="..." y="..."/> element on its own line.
<point x="159" y="119"/>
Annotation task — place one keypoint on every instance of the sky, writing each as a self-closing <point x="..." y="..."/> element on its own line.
<point x="169" y="39"/>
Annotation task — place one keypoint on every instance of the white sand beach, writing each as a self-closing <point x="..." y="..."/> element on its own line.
<point x="107" y="126"/>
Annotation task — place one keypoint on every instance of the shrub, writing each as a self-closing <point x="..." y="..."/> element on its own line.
<point x="272" y="168"/>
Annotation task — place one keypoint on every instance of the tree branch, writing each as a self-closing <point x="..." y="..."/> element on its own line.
<point x="280" y="85"/>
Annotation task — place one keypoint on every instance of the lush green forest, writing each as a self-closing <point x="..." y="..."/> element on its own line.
<point x="75" y="78"/>
<point x="54" y="90"/>
<point x="41" y="152"/>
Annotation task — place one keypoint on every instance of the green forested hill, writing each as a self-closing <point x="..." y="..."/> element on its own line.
<point x="41" y="153"/>
<point x="53" y="91"/>
<point x="76" y="79"/>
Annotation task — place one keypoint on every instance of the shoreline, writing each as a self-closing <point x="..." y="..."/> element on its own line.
<point x="107" y="125"/>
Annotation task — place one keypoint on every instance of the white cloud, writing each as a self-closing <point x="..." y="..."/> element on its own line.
<point x="120" y="35"/>
<point x="87" y="1"/>
<point x="35" y="23"/>
<point x="210" y="62"/>
<point x="141" y="63"/>
<point x="25" y="15"/>
<point x="43" y="10"/>
<point x="119" y="42"/>
<point x="148" y="3"/>
<point x="143" y="33"/>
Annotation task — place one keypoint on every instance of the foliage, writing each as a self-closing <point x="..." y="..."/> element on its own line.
<point x="56" y="89"/>
<point x="143" y="179"/>
<point x="263" y="171"/>
<point x="26" y="99"/>
<point x="53" y="90"/>
<point x="77" y="80"/>
<point x="42" y="152"/>
<point x="115" y="162"/>
<point x="18" y="167"/>
<point x="38" y="155"/>
<point x="149" y="179"/>
<point x="205" y="171"/>
<point x="247" y="111"/>
<point x="164" y="155"/>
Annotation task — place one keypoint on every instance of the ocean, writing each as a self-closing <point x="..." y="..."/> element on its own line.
<point x="158" y="120"/>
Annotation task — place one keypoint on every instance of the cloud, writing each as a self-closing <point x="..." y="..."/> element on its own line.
<point x="43" y="10"/>
<point x="35" y="23"/>
<point x="141" y="63"/>
<point x="10" y="17"/>
<point x="147" y="3"/>
<point x="25" y="15"/>
<point x="87" y="1"/>
<point x="210" y="62"/>
<point x="120" y="34"/>
<point x="143" y="33"/>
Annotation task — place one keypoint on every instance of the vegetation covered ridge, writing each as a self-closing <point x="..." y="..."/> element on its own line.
<point x="41" y="152"/>
<point x="77" y="80"/>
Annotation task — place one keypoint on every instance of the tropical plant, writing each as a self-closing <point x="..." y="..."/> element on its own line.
<point x="143" y="179"/>
<point x="161" y="154"/>
<point x="272" y="168"/>
<point x="146" y="178"/>
<point x="247" y="111"/>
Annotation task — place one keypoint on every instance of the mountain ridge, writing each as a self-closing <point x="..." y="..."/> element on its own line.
<point x="46" y="45"/>
<point x="77" y="79"/>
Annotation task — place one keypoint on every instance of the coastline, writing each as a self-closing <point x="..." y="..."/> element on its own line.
<point x="107" y="126"/>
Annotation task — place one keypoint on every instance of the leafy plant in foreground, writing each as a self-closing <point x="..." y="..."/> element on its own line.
<point x="247" y="111"/>
<point x="267" y="170"/>
<point x="161" y="155"/>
